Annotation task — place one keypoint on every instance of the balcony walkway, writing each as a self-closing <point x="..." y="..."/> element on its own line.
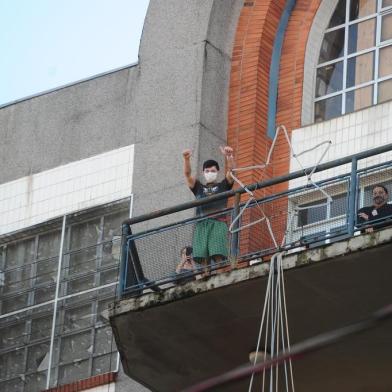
<point x="188" y="333"/>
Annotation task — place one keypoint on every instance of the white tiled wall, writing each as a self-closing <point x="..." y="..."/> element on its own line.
<point x="349" y="134"/>
<point x="86" y="183"/>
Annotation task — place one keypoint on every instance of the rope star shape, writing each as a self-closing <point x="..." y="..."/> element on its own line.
<point x="263" y="166"/>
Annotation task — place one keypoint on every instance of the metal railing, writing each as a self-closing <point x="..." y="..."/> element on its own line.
<point x="297" y="217"/>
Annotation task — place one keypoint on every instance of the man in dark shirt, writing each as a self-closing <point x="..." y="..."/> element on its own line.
<point x="210" y="236"/>
<point x="380" y="211"/>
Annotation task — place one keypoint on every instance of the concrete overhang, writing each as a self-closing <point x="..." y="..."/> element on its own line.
<point x="185" y="334"/>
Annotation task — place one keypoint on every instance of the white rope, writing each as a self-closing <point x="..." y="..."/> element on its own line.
<point x="287" y="327"/>
<point x="252" y="198"/>
<point x="266" y="304"/>
<point x="274" y="323"/>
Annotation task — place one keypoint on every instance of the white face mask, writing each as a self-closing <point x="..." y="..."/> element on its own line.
<point x="210" y="176"/>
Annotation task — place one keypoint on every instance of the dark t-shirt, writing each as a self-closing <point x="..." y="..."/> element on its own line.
<point x="376" y="215"/>
<point x="200" y="191"/>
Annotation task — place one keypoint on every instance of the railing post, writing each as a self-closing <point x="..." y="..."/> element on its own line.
<point x="352" y="197"/>
<point x="125" y="231"/>
<point x="234" y="236"/>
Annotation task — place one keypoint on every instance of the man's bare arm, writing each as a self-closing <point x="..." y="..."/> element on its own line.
<point x="190" y="180"/>
<point x="228" y="153"/>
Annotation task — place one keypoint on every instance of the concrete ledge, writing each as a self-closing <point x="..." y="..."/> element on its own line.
<point x="291" y="261"/>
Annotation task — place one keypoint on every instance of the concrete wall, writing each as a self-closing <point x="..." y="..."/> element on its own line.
<point x="176" y="97"/>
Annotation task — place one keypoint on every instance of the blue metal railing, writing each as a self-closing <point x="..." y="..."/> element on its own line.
<point x="149" y="257"/>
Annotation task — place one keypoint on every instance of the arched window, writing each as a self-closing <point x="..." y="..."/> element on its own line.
<point x="354" y="68"/>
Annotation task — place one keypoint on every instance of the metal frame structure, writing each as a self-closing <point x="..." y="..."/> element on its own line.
<point x="61" y="304"/>
<point x="350" y="226"/>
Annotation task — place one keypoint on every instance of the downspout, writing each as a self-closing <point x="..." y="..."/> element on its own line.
<point x="274" y="68"/>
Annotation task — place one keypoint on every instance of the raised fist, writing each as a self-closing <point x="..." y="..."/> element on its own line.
<point x="187" y="153"/>
<point x="226" y="151"/>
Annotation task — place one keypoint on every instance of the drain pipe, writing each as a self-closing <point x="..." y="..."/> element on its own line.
<point x="274" y="67"/>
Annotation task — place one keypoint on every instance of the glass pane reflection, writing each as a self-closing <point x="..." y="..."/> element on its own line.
<point x="329" y="79"/>
<point x="360" y="69"/>
<point x="385" y="91"/>
<point x="359" y="99"/>
<point x="332" y="46"/>
<point x="385" y="62"/>
<point x="361" y="35"/>
<point x="386" y="27"/>
<point x="361" y="8"/>
<point x="328" y="108"/>
<point x="386" y="3"/>
<point x="339" y="15"/>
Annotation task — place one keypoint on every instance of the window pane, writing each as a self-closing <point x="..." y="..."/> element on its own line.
<point x="49" y="245"/>
<point x="386" y="3"/>
<point x="109" y="276"/>
<point x="36" y="382"/>
<point x="41" y="327"/>
<point x="44" y="294"/>
<point x="339" y="15"/>
<point x="75" y="346"/>
<point x="359" y="99"/>
<point x="12" y="364"/>
<point x="16" y="385"/>
<point x="75" y="371"/>
<point x="104" y="341"/>
<point x="112" y="230"/>
<point x="360" y="69"/>
<point x="385" y="91"/>
<point x="47" y="271"/>
<point x="385" y="62"/>
<point x="76" y="285"/>
<point x="312" y="215"/>
<point x="339" y="205"/>
<point x="332" y="46"/>
<point x="14" y="303"/>
<point x="19" y="254"/>
<point x="386" y="27"/>
<point x="361" y="8"/>
<point x="105" y="364"/>
<point x="78" y="318"/>
<point x="12" y="335"/>
<point x="17" y="279"/>
<point x="362" y="35"/>
<point x="329" y="79"/>
<point x="37" y="357"/>
<point x="82" y="261"/>
<point x="328" y="108"/>
<point x="85" y="234"/>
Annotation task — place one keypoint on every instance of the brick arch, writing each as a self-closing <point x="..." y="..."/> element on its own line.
<point x="248" y="93"/>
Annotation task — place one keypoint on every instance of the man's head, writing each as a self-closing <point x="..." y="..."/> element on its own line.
<point x="380" y="195"/>
<point x="210" y="170"/>
<point x="186" y="252"/>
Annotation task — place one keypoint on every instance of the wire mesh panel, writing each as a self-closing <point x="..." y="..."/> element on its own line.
<point x="24" y="345"/>
<point x="83" y="342"/>
<point x="32" y="300"/>
<point x="293" y="218"/>
<point x="319" y="214"/>
<point x="155" y="255"/>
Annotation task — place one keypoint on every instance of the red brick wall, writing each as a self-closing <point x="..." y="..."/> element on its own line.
<point x="248" y="95"/>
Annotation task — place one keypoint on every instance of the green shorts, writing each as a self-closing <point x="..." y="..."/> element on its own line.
<point x="210" y="239"/>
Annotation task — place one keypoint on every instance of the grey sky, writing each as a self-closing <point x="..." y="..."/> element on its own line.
<point x="48" y="43"/>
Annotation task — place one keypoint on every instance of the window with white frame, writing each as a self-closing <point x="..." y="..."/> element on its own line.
<point x="81" y="344"/>
<point x="323" y="212"/>
<point x="354" y="69"/>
